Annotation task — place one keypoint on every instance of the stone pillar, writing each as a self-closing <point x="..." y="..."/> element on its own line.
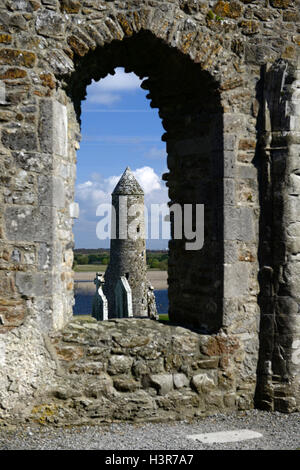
<point x="279" y="361"/>
<point x="38" y="224"/>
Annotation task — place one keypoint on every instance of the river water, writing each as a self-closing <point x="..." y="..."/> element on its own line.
<point x="83" y="302"/>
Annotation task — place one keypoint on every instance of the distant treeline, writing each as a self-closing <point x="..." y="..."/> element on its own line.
<point x="155" y="259"/>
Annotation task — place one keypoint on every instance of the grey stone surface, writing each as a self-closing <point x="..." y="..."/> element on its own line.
<point x="53" y="128"/>
<point x="236" y="280"/>
<point x="180" y="380"/>
<point x="239" y="224"/>
<point x="34" y="285"/>
<point x="50" y="24"/>
<point x="163" y="383"/>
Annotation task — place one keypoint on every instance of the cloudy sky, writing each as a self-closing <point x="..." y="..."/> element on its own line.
<point x="119" y="129"/>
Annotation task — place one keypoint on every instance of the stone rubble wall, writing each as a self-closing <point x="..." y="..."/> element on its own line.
<point x="141" y="370"/>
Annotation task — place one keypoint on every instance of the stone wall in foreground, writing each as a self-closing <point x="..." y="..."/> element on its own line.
<point x="142" y="370"/>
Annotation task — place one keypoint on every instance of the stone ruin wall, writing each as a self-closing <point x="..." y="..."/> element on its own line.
<point x="241" y="59"/>
<point x="140" y="370"/>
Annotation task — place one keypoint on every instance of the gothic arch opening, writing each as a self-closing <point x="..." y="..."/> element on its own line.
<point x="119" y="129"/>
<point x="189" y="106"/>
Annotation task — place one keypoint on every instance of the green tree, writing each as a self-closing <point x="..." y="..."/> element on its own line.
<point x="83" y="259"/>
<point x="163" y="265"/>
<point x="94" y="258"/>
<point x="154" y="263"/>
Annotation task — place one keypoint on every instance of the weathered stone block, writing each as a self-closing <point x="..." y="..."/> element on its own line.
<point x="180" y="380"/>
<point x="285" y="404"/>
<point x="239" y="223"/>
<point x="103" y="385"/>
<point x="281" y="3"/>
<point x="20" y="139"/>
<point x="203" y="383"/>
<point x="119" y="365"/>
<point x="214" y="401"/>
<point x="245" y="401"/>
<point x="29" y="224"/>
<point x="12" y="313"/>
<point x="69" y="353"/>
<point x="34" y="284"/>
<point x="229" y="163"/>
<point x="59" y="61"/>
<point x="136" y="404"/>
<point x="78" y="46"/>
<point x="17" y="57"/>
<point x="126" y="384"/>
<point x="51" y="191"/>
<point x="229" y="191"/>
<point x="162" y="382"/>
<point x="37" y="162"/>
<point x="47" y="80"/>
<point x="70" y="6"/>
<point x="44" y="256"/>
<point x="236" y="279"/>
<point x="230" y="400"/>
<point x="185" y="344"/>
<point x="231" y="9"/>
<point x="211" y="363"/>
<point x="50" y="24"/>
<point x="74" y="210"/>
<point x="53" y="127"/>
<point x="89" y="368"/>
<point x="144" y="368"/>
<point x="5" y="38"/>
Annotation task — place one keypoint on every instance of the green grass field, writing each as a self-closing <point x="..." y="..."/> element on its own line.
<point x="88" y="268"/>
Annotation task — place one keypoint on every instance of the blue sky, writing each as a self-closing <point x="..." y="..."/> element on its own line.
<point x="119" y="129"/>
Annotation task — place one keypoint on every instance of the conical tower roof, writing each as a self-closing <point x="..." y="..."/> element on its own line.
<point x="128" y="184"/>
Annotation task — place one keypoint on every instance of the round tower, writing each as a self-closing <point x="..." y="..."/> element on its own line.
<point x="128" y="245"/>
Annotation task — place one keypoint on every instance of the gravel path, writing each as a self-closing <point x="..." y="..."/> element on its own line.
<point x="280" y="432"/>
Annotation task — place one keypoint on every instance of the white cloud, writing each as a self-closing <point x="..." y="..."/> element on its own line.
<point x="91" y="193"/>
<point x="107" y="99"/>
<point x="120" y="81"/>
<point x="156" y="153"/>
<point x="107" y="91"/>
<point x="148" y="179"/>
<point x="98" y="190"/>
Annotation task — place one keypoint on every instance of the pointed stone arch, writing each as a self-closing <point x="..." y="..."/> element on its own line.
<point x="189" y="103"/>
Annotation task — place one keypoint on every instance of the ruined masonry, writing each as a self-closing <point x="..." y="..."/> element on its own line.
<point x="225" y="78"/>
